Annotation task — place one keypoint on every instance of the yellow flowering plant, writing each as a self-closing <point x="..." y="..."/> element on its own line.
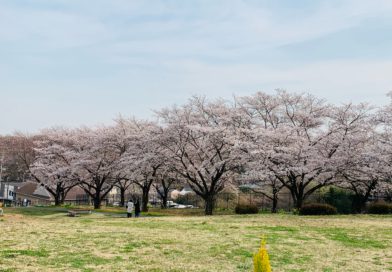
<point x="261" y="261"/>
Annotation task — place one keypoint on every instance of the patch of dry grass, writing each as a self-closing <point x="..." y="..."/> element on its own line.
<point x="96" y="242"/>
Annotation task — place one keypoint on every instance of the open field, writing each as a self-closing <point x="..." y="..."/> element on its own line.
<point x="47" y="240"/>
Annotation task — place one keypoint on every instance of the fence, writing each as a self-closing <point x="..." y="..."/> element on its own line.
<point x="344" y="202"/>
<point x="226" y="200"/>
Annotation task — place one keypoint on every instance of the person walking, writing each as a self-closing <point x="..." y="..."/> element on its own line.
<point x="130" y="207"/>
<point x="137" y="208"/>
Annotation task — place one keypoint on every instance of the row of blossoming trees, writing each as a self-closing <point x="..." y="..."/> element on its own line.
<point x="285" y="140"/>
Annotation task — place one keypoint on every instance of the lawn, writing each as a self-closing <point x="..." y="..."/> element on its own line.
<point x="41" y="239"/>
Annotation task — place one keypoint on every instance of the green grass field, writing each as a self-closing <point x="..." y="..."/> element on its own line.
<point x="45" y="239"/>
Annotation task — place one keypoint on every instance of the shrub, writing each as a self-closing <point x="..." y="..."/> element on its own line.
<point x="261" y="261"/>
<point x="317" y="209"/>
<point x="281" y="211"/>
<point x="380" y="208"/>
<point x="188" y="199"/>
<point x="246" y="209"/>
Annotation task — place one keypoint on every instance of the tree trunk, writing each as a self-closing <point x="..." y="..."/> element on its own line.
<point x="298" y="197"/>
<point x="57" y="195"/>
<point x="57" y="201"/>
<point x="62" y="197"/>
<point x="97" y="202"/>
<point x="359" y="203"/>
<point x="274" y="204"/>
<point x="164" y="198"/>
<point x="209" y="205"/>
<point x="122" y="196"/>
<point x="145" y="197"/>
<point x="164" y="193"/>
<point x="97" y="198"/>
<point x="299" y="202"/>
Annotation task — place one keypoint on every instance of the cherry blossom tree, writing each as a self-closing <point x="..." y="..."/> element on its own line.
<point x="123" y="184"/>
<point x="362" y="172"/>
<point x="96" y="160"/>
<point x="384" y="146"/>
<point x="281" y="140"/>
<point x="12" y="168"/>
<point x="143" y="159"/>
<point x="52" y="164"/>
<point x="266" y="184"/>
<point x="165" y="180"/>
<point x="22" y="149"/>
<point x="295" y="138"/>
<point x="195" y="136"/>
<point x="123" y="136"/>
<point x="364" y="168"/>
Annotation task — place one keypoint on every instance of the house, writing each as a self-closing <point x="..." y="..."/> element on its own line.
<point x="174" y="194"/>
<point x="186" y="190"/>
<point x="248" y="187"/>
<point x="77" y="196"/>
<point x="114" y="196"/>
<point x="7" y="193"/>
<point x="32" y="193"/>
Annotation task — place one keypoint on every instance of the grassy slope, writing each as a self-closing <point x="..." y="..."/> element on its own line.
<point x="97" y="242"/>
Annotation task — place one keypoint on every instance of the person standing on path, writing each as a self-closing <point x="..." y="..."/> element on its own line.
<point x="137" y="208"/>
<point x="130" y="207"/>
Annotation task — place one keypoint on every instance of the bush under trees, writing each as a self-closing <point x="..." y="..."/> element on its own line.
<point x="188" y="199"/>
<point x="246" y="209"/>
<point x="317" y="209"/>
<point x="379" y="208"/>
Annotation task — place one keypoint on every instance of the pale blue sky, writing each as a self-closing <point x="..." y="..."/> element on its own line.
<point x="74" y="62"/>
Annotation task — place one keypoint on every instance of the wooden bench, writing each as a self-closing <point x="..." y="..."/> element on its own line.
<point x="77" y="212"/>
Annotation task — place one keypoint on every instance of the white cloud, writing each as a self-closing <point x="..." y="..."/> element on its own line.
<point x="219" y="25"/>
<point x="336" y="80"/>
<point x="51" y="29"/>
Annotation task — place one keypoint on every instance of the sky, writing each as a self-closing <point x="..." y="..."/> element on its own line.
<point x="84" y="62"/>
